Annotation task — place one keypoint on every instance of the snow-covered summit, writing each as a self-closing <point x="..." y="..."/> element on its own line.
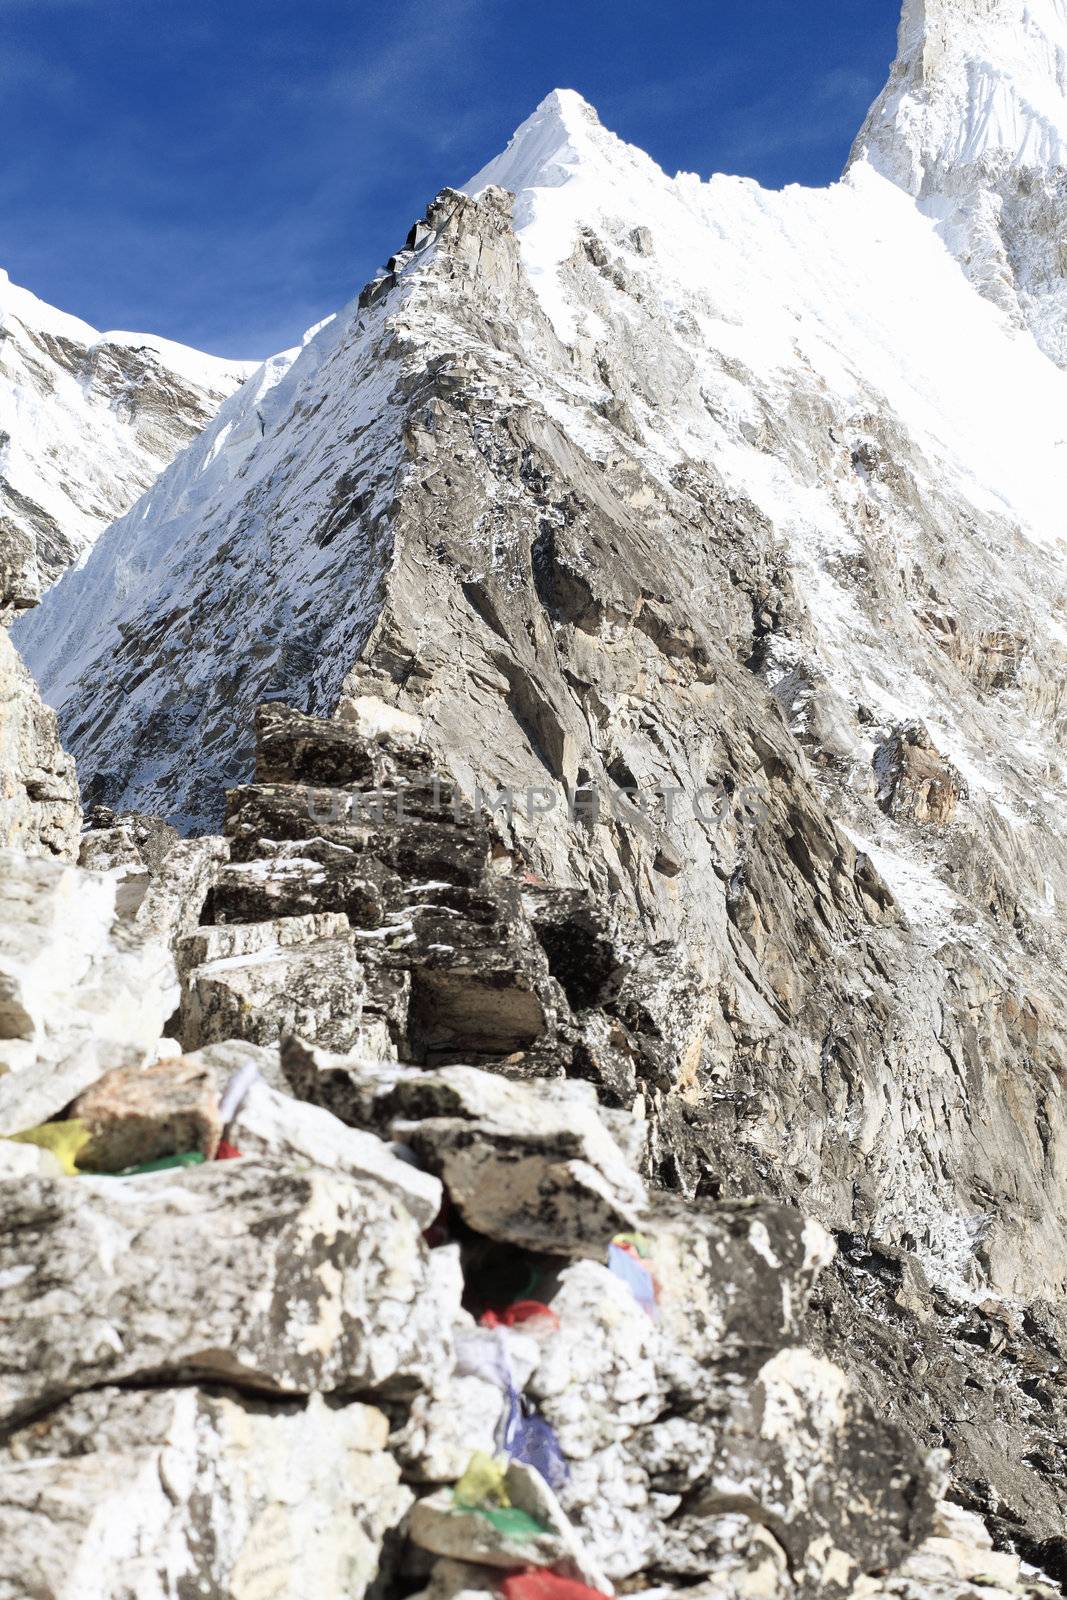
<point x="975" y="81"/>
<point x="562" y="135"/>
<point x="973" y="123"/>
<point x="87" y="422"/>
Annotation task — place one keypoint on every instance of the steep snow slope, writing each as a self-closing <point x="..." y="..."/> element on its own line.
<point x="87" y="422"/>
<point x="973" y="122"/>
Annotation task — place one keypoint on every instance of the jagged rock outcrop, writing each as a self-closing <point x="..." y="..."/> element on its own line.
<point x="39" y="807"/>
<point x="40" y="811"/>
<point x="914" y="780"/>
<point x="588" y="669"/>
<point x="709" y="1442"/>
<point x="196" y="1361"/>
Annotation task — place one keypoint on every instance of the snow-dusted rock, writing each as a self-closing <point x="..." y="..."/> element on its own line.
<point x="914" y="780"/>
<point x="79" y="991"/>
<point x="286" y="1281"/>
<point x="169" y="1493"/>
<point x="313" y="989"/>
<point x="178" y="889"/>
<point x="641" y="484"/>
<point x="87" y="422"/>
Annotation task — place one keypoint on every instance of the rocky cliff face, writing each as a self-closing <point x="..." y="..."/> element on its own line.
<point x="670" y="814"/>
<point x="87" y="422"/>
<point x="973" y="122"/>
<point x="40" y="812"/>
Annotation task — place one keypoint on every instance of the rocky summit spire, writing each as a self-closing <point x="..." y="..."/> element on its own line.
<point x="973" y="122"/>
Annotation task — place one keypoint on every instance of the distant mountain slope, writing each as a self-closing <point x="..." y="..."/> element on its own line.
<point x="87" y="422"/>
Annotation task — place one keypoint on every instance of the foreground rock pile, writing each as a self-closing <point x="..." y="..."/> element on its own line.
<point x="338" y="1261"/>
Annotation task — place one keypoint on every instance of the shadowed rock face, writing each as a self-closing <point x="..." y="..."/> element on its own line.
<point x="40" y="811"/>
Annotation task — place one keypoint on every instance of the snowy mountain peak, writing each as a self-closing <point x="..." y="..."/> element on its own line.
<point x="973" y="123"/>
<point x="562" y="135"/>
<point x="974" y="81"/>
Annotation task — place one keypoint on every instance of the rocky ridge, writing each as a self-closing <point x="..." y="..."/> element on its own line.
<point x="279" y="1368"/>
<point x="672" y="817"/>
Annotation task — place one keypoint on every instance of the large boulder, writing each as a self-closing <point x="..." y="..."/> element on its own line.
<point x="286" y="1281"/>
<point x="274" y="1127"/>
<point x="80" y="990"/>
<point x="171" y="1493"/>
<point x="530" y="1163"/>
<point x="802" y="1454"/>
<point x="315" y="989"/>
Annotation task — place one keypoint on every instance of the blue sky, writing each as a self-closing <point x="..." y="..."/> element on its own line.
<point x="226" y="172"/>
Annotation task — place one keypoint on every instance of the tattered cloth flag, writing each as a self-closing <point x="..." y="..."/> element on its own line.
<point x="625" y="1262"/>
<point x="522" y="1433"/>
<point x="62" y="1139"/>
<point x="541" y="1584"/>
<point x="483" y="1483"/>
<point x="525" y="1436"/>
<point x="236" y="1092"/>
<point x="483" y="1489"/>
<point x="531" y="1316"/>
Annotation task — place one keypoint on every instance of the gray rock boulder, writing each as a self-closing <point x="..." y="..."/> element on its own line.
<point x="170" y="1493"/>
<point x="284" y="1281"/>
<point x="530" y="1163"/>
<point x="274" y="1127"/>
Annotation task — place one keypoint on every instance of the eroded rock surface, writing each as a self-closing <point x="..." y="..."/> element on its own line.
<point x="167" y="1493"/>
